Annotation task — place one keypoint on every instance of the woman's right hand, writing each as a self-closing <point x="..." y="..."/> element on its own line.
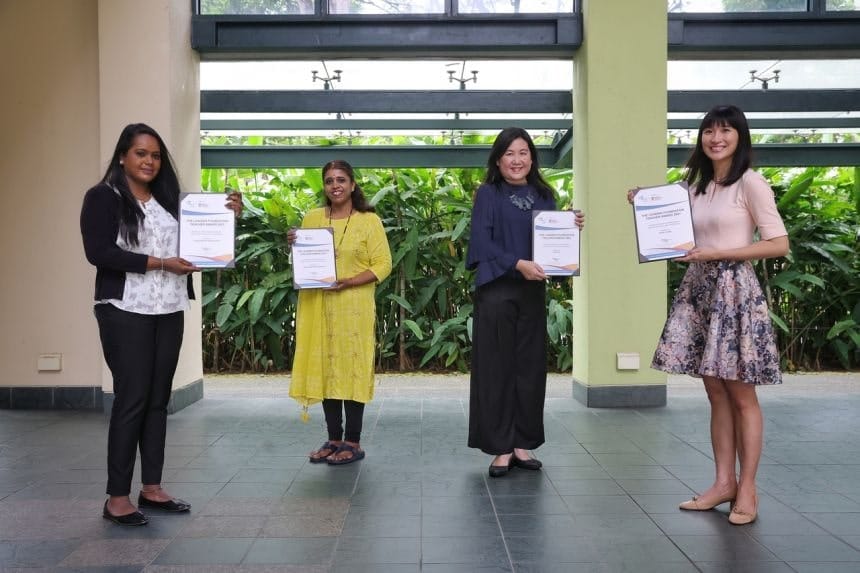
<point x="632" y="193"/>
<point x="531" y="270"/>
<point x="179" y="266"/>
<point x="291" y="236"/>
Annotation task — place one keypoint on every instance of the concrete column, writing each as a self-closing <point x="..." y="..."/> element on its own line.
<point x="149" y="73"/>
<point x="49" y="156"/>
<point x="619" y="142"/>
<point x="75" y="72"/>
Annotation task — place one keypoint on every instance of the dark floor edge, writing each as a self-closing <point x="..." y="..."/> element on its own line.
<point x="650" y="396"/>
<point x="84" y="397"/>
<point x="51" y="398"/>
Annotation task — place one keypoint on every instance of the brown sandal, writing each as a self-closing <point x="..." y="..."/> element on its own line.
<point x="319" y="459"/>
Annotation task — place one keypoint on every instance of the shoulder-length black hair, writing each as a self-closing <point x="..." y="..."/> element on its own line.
<point x="164" y="187"/>
<point x="359" y="201"/>
<point x="504" y="140"/>
<point x="700" y="169"/>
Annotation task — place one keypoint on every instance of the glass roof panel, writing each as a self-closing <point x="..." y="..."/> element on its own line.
<point x="515" y="6"/>
<point x="738" y="5"/>
<point x="734" y="75"/>
<point x="388" y="75"/>
<point x="386" y="6"/>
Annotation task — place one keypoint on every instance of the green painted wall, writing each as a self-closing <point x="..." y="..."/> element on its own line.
<point x="619" y="142"/>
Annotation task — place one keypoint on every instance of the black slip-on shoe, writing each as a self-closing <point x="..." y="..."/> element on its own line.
<point x="173" y="505"/>
<point x="131" y="519"/>
<point x="499" y="471"/>
<point x="529" y="464"/>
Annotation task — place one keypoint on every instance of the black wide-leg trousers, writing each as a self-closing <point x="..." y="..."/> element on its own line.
<point x="142" y="352"/>
<point x="508" y="380"/>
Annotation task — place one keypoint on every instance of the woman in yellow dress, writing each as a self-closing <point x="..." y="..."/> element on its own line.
<point x="335" y="342"/>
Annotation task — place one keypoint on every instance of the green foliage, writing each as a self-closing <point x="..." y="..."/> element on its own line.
<point x="814" y="292"/>
<point x="424" y="309"/>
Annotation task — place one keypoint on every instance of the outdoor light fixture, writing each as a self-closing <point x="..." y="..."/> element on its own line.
<point x="326" y="80"/>
<point x="764" y="80"/>
<point x="463" y="79"/>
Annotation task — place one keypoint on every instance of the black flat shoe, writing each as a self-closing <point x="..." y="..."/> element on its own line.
<point x="132" y="519"/>
<point x="173" y="505"/>
<point x="499" y="471"/>
<point x="529" y="464"/>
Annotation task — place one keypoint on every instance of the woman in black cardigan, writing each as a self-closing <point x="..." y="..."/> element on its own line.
<point x="129" y="223"/>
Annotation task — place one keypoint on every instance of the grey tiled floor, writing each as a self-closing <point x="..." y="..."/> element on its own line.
<point x="606" y="500"/>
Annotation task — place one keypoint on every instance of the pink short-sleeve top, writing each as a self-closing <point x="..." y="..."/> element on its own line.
<point x="727" y="217"/>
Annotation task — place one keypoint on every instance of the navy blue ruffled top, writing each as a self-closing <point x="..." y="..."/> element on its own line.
<point x="502" y="229"/>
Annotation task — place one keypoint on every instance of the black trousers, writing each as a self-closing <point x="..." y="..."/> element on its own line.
<point x="334" y="410"/>
<point x="508" y="379"/>
<point x="142" y="352"/>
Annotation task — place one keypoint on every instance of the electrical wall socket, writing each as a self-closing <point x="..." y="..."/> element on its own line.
<point x="50" y="362"/>
<point x="627" y="361"/>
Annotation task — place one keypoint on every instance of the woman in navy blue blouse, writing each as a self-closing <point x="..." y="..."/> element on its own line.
<point x="508" y="380"/>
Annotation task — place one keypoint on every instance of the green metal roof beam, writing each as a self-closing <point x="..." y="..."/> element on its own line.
<point x="772" y="155"/>
<point x="781" y="123"/>
<point x="380" y="124"/>
<point x="787" y="154"/>
<point x="371" y="156"/>
<point x="507" y="101"/>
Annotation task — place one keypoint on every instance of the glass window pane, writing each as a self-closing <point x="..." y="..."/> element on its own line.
<point x="387" y="74"/>
<point x="256" y="6"/>
<point x="515" y="6"/>
<point x="843" y="4"/>
<point x="740" y="5"/>
<point x="735" y="75"/>
<point x="386" y="6"/>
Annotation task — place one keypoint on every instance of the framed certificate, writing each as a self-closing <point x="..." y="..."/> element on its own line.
<point x="664" y="222"/>
<point x="207" y="230"/>
<point x="313" y="258"/>
<point x="555" y="242"/>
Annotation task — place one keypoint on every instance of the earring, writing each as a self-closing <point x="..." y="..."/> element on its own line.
<point x="121" y="163"/>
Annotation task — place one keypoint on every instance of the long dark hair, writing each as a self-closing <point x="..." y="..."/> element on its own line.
<point x="164" y="187"/>
<point x="700" y="169"/>
<point x="359" y="201"/>
<point x="504" y="140"/>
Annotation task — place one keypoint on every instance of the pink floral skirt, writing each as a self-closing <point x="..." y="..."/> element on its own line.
<point x="719" y="326"/>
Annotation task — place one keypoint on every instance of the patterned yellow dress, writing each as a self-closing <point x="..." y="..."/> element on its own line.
<point x="335" y="342"/>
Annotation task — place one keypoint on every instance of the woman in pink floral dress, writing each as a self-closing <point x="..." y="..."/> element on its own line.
<point x="718" y="326"/>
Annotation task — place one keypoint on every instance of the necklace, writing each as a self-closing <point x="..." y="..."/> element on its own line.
<point x="337" y="250"/>
<point x="522" y="203"/>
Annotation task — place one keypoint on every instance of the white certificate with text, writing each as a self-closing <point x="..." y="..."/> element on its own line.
<point x="207" y="230"/>
<point x="664" y="222"/>
<point x="313" y="258"/>
<point x="555" y="242"/>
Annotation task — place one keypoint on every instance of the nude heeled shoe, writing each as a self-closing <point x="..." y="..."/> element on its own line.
<point x="697" y="504"/>
<point x="740" y="517"/>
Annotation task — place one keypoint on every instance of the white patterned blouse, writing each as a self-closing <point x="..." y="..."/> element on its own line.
<point x="155" y="291"/>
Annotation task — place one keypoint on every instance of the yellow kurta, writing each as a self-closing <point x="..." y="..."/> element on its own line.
<point x="335" y="342"/>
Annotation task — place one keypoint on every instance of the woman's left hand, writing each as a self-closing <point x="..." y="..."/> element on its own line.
<point x="340" y="285"/>
<point x="234" y="202"/>
<point x="580" y="219"/>
<point x="699" y="255"/>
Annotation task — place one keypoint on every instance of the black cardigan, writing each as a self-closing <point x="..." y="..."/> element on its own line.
<point x="100" y="229"/>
